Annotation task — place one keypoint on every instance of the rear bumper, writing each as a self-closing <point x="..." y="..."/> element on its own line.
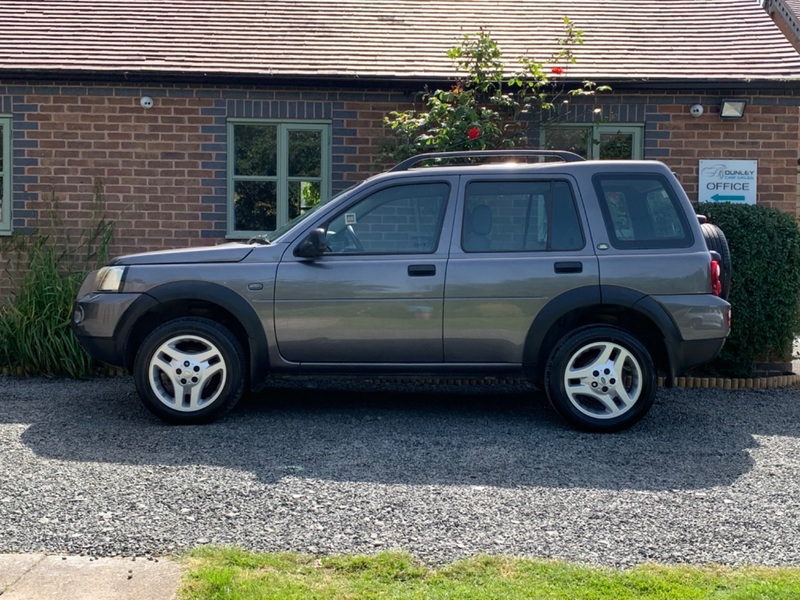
<point x="697" y="352"/>
<point x="692" y="353"/>
<point x="701" y="326"/>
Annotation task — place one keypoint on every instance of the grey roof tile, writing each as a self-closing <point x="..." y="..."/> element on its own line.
<point x="624" y="39"/>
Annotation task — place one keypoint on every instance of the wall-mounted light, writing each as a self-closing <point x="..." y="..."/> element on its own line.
<point x="146" y="102"/>
<point x="732" y="109"/>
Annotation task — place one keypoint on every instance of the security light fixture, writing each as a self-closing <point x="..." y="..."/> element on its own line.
<point x="732" y="109"/>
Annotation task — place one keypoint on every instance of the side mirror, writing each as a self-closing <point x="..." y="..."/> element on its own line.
<point x="313" y="246"/>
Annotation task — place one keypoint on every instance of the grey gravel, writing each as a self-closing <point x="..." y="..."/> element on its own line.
<point x="710" y="476"/>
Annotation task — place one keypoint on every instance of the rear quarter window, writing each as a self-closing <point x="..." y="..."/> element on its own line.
<point x="642" y="211"/>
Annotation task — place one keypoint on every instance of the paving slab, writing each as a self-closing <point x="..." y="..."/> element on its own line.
<point x="14" y="566"/>
<point x="41" y="577"/>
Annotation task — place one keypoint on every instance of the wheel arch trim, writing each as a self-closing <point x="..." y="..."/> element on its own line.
<point x="600" y="296"/>
<point x="212" y="293"/>
<point x="555" y="309"/>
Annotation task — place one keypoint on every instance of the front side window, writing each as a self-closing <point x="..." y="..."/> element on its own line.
<point x="520" y="216"/>
<point x="276" y="171"/>
<point x="404" y="219"/>
<point x="641" y="211"/>
<point x="602" y="141"/>
<point x="5" y="175"/>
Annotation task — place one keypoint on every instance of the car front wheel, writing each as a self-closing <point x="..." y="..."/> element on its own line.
<point x="601" y="379"/>
<point x="189" y="370"/>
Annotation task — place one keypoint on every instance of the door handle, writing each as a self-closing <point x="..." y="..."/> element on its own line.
<point x="421" y="270"/>
<point x="569" y="267"/>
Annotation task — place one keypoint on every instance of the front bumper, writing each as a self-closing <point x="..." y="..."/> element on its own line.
<point x="99" y="324"/>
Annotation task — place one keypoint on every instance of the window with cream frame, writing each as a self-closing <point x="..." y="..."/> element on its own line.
<point x="276" y="171"/>
<point x="604" y="141"/>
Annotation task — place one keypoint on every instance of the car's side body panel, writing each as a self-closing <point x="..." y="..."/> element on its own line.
<point x="460" y="269"/>
<point x="492" y="296"/>
<point x="360" y="309"/>
<point x="369" y="305"/>
<point x="491" y="302"/>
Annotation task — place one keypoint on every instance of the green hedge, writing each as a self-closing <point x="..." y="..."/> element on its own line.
<point x="765" y="288"/>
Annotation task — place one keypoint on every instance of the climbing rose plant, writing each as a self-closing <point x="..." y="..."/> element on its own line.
<point x="486" y="108"/>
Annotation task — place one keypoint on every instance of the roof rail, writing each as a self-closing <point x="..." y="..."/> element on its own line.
<point x="409" y="162"/>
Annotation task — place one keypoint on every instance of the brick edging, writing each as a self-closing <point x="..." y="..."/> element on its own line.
<point x="750" y="383"/>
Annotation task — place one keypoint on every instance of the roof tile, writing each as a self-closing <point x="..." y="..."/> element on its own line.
<point x="624" y="39"/>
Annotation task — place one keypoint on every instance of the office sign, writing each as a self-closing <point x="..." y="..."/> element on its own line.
<point x="728" y="181"/>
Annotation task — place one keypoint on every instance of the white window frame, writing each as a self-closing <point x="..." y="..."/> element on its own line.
<point x="598" y="129"/>
<point x="282" y="178"/>
<point x="5" y="175"/>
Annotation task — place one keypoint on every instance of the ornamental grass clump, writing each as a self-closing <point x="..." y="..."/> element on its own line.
<point x="45" y="269"/>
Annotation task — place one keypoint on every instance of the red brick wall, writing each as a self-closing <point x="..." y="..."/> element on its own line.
<point x="149" y="163"/>
<point x="163" y="169"/>
<point x="768" y="133"/>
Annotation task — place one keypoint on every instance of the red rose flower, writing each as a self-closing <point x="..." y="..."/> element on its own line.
<point x="557" y="71"/>
<point x="473" y="133"/>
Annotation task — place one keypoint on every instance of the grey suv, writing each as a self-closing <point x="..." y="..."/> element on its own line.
<point x="591" y="278"/>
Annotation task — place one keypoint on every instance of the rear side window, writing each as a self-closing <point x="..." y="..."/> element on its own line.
<point x="642" y="211"/>
<point x="520" y="216"/>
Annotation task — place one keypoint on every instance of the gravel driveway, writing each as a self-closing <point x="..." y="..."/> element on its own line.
<point x="708" y="476"/>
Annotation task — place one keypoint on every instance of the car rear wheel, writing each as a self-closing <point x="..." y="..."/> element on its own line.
<point x="190" y="370"/>
<point x="601" y="379"/>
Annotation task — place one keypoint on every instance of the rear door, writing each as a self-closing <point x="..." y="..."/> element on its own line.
<point x="519" y="243"/>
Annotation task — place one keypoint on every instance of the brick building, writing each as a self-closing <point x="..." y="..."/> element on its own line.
<point x="202" y="121"/>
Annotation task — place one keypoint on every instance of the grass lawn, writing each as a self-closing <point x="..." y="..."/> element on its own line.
<point x="217" y="573"/>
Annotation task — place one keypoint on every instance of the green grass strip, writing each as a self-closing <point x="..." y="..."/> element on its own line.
<point x="232" y="574"/>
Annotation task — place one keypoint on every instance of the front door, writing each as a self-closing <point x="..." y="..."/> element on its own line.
<point x="376" y="295"/>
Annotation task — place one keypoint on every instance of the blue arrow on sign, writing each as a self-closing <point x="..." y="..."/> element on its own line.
<point x="718" y="198"/>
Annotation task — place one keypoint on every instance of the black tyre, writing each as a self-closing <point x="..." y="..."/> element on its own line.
<point x="189" y="370"/>
<point x="600" y="379"/>
<point x="717" y="242"/>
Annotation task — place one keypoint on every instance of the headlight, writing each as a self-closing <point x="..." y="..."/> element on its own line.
<point x="109" y="279"/>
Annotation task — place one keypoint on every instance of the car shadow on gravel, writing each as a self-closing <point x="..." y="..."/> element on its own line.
<point x="503" y="436"/>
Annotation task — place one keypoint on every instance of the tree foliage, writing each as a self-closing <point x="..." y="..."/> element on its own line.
<point x="486" y="108"/>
